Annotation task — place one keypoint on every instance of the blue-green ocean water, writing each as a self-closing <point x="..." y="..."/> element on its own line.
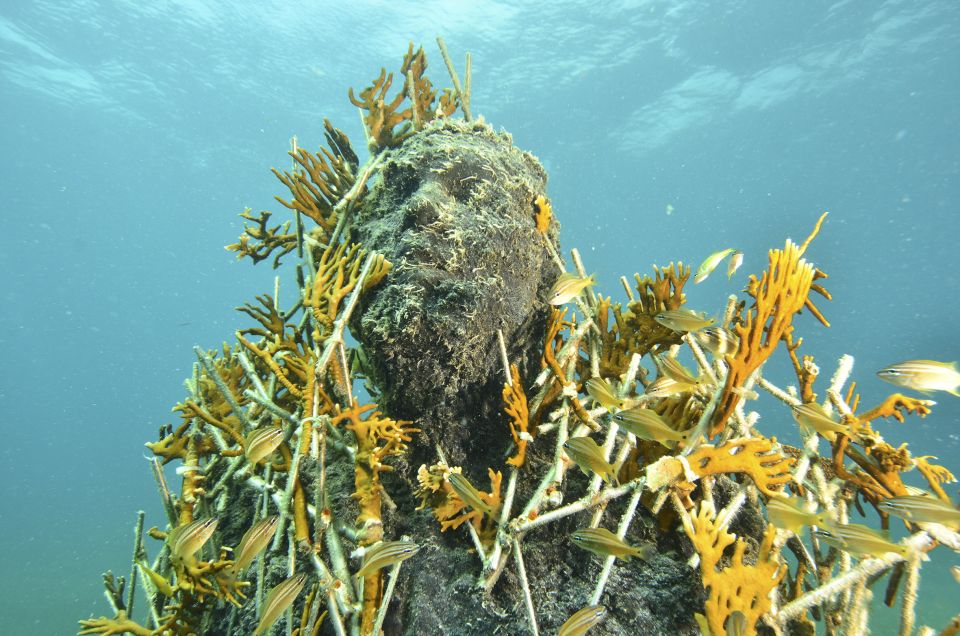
<point x="134" y="132"/>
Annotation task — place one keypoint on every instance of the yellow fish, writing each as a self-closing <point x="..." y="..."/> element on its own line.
<point x="812" y="416"/>
<point x="568" y="287"/>
<point x="683" y="320"/>
<point x="582" y="621"/>
<point x="718" y="341"/>
<point x="710" y="263"/>
<point x="253" y="542"/>
<point x="601" y="391"/>
<point x="859" y="539"/>
<point x="605" y="543"/>
<point x="261" y="442"/>
<point x="788" y="513"/>
<point x="647" y="424"/>
<point x="736" y="260"/>
<point x="386" y="553"/>
<point x="186" y="539"/>
<point x="923" y="375"/>
<point x="468" y="494"/>
<point x="922" y="509"/>
<point x="279" y="599"/>
<point x="666" y="386"/>
<point x="589" y="457"/>
<point x="672" y="368"/>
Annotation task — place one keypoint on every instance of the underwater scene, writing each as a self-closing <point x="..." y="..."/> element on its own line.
<point x="473" y="318"/>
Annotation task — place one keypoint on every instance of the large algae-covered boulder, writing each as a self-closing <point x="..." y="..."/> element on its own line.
<point x="453" y="211"/>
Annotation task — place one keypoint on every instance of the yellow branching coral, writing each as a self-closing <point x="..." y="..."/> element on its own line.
<point x="552" y="343"/>
<point x="321" y="181"/>
<point x="378" y="439"/>
<point x="738" y="587"/>
<point x="258" y="242"/>
<point x="317" y="185"/>
<point x="212" y="407"/>
<point x="267" y="314"/>
<point x="895" y="406"/>
<point x="516" y="407"/>
<point x="421" y="91"/>
<point x="879" y="464"/>
<point x="769" y="469"/>
<point x="634" y="330"/>
<point x="383" y="117"/>
<point x="780" y="293"/>
<point x="120" y="624"/>
<point x="305" y="628"/>
<point x="617" y="339"/>
<point x="338" y="272"/>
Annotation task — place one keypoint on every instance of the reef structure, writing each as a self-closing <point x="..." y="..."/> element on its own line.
<point x="446" y="499"/>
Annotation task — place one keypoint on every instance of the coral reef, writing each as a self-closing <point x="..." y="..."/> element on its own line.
<point x="442" y="499"/>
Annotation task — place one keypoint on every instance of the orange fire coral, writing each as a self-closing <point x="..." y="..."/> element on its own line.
<point x="780" y="293"/>
<point x="738" y="587"/>
<point x="436" y="493"/>
<point x="516" y="407"/>
<point x="769" y="469"/>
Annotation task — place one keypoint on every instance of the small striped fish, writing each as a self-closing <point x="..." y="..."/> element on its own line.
<point x="812" y="416"/>
<point x="253" y="542"/>
<point x="605" y="543"/>
<point x="683" y="320"/>
<point x="672" y="368"/>
<point x="709" y="264"/>
<point x="718" y="341"/>
<point x="922" y="509"/>
<point x="601" y="391"/>
<point x="589" y="457"/>
<point x="278" y="600"/>
<point x="568" y="287"/>
<point x="468" y="494"/>
<point x="859" y="539"/>
<point x="186" y="539"/>
<point x="579" y="623"/>
<point x="260" y="442"/>
<point x="923" y="375"/>
<point x="386" y="553"/>
<point x="647" y="424"/>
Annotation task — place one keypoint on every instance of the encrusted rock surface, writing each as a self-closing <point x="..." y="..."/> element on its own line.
<point x="453" y="212"/>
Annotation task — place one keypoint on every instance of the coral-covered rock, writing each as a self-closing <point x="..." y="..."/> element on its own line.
<point x="453" y="211"/>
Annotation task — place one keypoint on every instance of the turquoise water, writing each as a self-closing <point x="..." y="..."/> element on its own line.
<point x="133" y="133"/>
